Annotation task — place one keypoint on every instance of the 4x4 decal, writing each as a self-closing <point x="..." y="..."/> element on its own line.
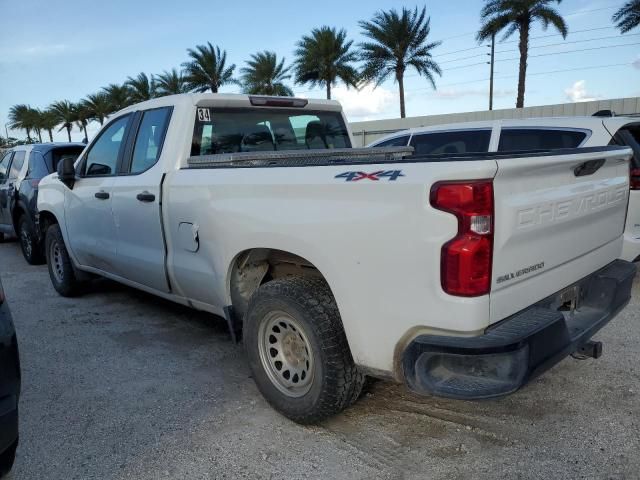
<point x="390" y="175"/>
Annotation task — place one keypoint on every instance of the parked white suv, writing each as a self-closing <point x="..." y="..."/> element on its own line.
<point x="536" y="134"/>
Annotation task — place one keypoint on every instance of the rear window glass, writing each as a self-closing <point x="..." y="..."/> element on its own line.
<point x="56" y="154"/>
<point x="394" y="142"/>
<point x="539" y="139"/>
<point x="459" y="141"/>
<point x="263" y="130"/>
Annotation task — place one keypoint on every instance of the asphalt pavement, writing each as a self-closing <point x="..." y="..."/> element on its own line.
<point x="118" y="384"/>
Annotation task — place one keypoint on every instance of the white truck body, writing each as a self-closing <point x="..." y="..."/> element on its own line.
<point x="596" y="132"/>
<point x="375" y="239"/>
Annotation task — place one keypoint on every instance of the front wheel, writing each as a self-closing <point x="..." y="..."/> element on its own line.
<point x="31" y="248"/>
<point x="297" y="349"/>
<point x="61" y="270"/>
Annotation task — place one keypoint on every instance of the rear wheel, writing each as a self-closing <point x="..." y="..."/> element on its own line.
<point x="31" y="248"/>
<point x="61" y="270"/>
<point x="298" y="351"/>
<point x="7" y="458"/>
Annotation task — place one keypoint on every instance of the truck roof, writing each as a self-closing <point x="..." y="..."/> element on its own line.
<point x="226" y="100"/>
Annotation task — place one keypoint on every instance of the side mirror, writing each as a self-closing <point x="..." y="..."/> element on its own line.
<point x="66" y="171"/>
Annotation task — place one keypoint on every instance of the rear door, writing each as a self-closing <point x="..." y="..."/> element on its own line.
<point x="137" y="202"/>
<point x="558" y="218"/>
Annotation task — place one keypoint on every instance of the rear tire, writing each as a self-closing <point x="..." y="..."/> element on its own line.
<point x="297" y="349"/>
<point x="31" y="248"/>
<point x="7" y="459"/>
<point x="1" y="237"/>
<point x="61" y="271"/>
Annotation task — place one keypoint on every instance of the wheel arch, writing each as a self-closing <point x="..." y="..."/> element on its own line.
<point x="253" y="267"/>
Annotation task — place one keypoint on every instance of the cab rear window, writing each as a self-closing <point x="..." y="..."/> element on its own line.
<point x="256" y="130"/>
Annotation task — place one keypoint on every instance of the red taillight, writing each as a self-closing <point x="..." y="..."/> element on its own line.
<point x="634" y="179"/>
<point x="465" y="265"/>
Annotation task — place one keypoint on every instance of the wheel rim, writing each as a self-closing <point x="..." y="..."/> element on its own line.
<point x="285" y="353"/>
<point x="27" y="245"/>
<point x="56" y="261"/>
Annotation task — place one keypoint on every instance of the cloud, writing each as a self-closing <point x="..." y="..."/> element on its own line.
<point x="366" y="102"/>
<point x="636" y="63"/>
<point x="578" y="92"/>
<point x="32" y="52"/>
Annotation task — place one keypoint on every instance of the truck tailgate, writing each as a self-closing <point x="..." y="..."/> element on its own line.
<point x="558" y="218"/>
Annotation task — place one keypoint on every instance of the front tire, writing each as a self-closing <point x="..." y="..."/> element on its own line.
<point x="297" y="349"/>
<point x="63" y="276"/>
<point x="31" y="248"/>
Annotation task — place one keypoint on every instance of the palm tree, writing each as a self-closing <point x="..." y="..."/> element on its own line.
<point x="21" y="117"/>
<point x="66" y="113"/>
<point x="48" y="121"/>
<point x="398" y="41"/>
<point x="118" y="96"/>
<point x="265" y="76"/>
<point x="35" y="119"/>
<point x="170" y="83"/>
<point x="83" y="115"/>
<point x="98" y="106"/>
<point x="519" y="15"/>
<point x="207" y="69"/>
<point x="628" y="17"/>
<point x="324" y="57"/>
<point x="141" y="88"/>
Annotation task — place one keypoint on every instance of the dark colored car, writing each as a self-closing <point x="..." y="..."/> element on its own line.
<point x="21" y="169"/>
<point x="9" y="388"/>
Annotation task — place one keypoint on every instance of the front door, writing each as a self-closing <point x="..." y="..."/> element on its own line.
<point x="136" y="204"/>
<point x="88" y="205"/>
<point x="5" y="216"/>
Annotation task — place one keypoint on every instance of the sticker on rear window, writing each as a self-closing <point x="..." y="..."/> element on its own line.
<point x="204" y="115"/>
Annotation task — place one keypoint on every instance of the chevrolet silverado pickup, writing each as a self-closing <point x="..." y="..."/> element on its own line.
<point x="462" y="276"/>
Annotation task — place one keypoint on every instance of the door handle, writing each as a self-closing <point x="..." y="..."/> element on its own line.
<point x="146" y="197"/>
<point x="102" y="195"/>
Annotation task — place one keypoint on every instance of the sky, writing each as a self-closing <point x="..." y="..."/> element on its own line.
<point x="53" y="51"/>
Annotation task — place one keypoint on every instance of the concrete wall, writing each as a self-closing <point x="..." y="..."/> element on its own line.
<point x="367" y="132"/>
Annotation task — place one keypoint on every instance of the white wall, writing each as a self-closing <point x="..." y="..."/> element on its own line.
<point x="367" y="132"/>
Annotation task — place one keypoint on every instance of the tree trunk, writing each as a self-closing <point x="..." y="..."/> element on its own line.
<point x="524" y="53"/>
<point x="328" y="90"/>
<point x="28" y="134"/>
<point x="101" y="120"/>
<point x="400" y="78"/>
<point x="84" y="127"/>
<point x="39" y="135"/>
<point x="69" y="133"/>
<point x="214" y="89"/>
<point x="50" y="135"/>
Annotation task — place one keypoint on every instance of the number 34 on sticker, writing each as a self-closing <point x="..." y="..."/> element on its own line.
<point x="204" y="115"/>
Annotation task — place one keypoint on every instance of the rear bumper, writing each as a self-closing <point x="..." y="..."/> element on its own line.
<point x="520" y="347"/>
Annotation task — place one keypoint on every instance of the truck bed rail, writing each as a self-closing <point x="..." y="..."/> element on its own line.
<point x="290" y="158"/>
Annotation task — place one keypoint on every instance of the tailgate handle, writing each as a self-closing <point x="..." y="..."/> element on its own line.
<point x="588" y="168"/>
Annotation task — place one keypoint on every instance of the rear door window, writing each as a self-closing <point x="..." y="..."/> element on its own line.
<point x="4" y="167"/>
<point x="394" y="142"/>
<point x="514" y="139"/>
<point x="16" y="166"/>
<point x="266" y="130"/>
<point x="149" y="139"/>
<point x="452" y="142"/>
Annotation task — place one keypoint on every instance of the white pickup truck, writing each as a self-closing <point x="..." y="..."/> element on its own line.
<point x="462" y="276"/>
